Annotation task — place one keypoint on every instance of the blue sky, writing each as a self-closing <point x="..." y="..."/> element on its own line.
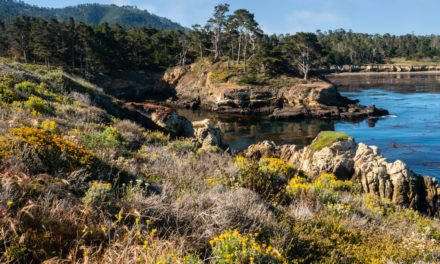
<point x="420" y="17"/>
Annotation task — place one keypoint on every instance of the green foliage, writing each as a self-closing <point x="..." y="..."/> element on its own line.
<point x="50" y="126"/>
<point x="326" y="188"/>
<point x="55" y="152"/>
<point x="8" y="96"/>
<point x="266" y="177"/>
<point x="38" y="106"/>
<point x="182" y="145"/>
<point x="112" y="137"/>
<point x="233" y="247"/>
<point x="26" y="87"/>
<point x="326" y="138"/>
<point x="219" y="76"/>
<point x="156" y="137"/>
<point x="99" y="193"/>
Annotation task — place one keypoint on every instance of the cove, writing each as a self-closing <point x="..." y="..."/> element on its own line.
<point x="410" y="133"/>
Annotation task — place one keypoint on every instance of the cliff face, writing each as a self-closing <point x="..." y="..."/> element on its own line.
<point x="287" y="100"/>
<point x="363" y="165"/>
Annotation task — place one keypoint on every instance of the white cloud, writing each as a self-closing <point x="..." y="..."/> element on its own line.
<point x="310" y="21"/>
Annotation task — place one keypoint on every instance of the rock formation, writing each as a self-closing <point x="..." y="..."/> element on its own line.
<point x="363" y="165"/>
<point x="292" y="99"/>
<point x="207" y="135"/>
<point x="165" y="117"/>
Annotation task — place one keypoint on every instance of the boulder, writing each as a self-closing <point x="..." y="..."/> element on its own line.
<point x="207" y="135"/>
<point x="165" y="117"/>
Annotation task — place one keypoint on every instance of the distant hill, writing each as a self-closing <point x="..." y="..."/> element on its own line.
<point x="88" y="13"/>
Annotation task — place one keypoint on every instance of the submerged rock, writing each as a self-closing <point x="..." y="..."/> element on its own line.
<point x="362" y="164"/>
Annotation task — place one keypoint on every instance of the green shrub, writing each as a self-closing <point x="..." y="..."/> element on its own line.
<point x="112" y="137"/>
<point x="156" y="137"/>
<point x="267" y="177"/>
<point x="219" y="76"/>
<point x="233" y="247"/>
<point x="8" y="96"/>
<point x="50" y="126"/>
<point x="326" y="188"/>
<point x="27" y="87"/>
<point x="53" y="151"/>
<point x="99" y="193"/>
<point x="182" y="145"/>
<point x="38" y="106"/>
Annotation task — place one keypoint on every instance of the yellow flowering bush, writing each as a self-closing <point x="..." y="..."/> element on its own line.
<point x="277" y="167"/>
<point x="26" y="87"/>
<point x="52" y="150"/>
<point x="298" y="185"/>
<point x="100" y="192"/>
<point x="219" y="76"/>
<point x="326" y="187"/>
<point x="233" y="247"/>
<point x="50" y="126"/>
<point x="7" y="95"/>
<point x="112" y="137"/>
<point x="36" y="106"/>
<point x="7" y="80"/>
<point x="330" y="182"/>
<point x="266" y="177"/>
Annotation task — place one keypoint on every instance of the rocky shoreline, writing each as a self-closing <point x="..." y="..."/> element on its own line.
<point x="314" y="99"/>
<point x="363" y="165"/>
<point x="378" y="69"/>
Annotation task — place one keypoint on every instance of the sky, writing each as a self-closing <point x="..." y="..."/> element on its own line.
<point x="396" y="17"/>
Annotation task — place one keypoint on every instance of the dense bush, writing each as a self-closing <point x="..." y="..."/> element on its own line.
<point x="98" y="193"/>
<point x="54" y="152"/>
<point x="267" y="177"/>
<point x="233" y="247"/>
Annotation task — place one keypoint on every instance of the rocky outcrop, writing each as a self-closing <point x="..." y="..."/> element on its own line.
<point x="363" y="165"/>
<point x="195" y="87"/>
<point x="207" y="135"/>
<point x="165" y="117"/>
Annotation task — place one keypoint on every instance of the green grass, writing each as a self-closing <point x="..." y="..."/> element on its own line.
<point x="326" y="138"/>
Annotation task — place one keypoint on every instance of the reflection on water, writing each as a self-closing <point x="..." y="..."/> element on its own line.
<point x="241" y="131"/>
<point x="411" y="134"/>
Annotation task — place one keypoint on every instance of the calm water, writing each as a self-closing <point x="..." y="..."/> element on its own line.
<point x="411" y="134"/>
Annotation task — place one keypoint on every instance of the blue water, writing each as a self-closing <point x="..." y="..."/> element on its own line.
<point x="411" y="133"/>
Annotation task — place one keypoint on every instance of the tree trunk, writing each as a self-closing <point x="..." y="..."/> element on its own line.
<point x="245" y="54"/>
<point x="306" y="75"/>
<point x="239" y="48"/>
<point x="23" y="48"/>
<point x="217" y="44"/>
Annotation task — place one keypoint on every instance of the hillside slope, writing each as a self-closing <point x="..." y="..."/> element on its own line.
<point x="88" y="13"/>
<point x="85" y="180"/>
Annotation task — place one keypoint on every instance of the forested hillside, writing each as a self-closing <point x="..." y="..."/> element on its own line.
<point x="88" y="13"/>
<point x="230" y="36"/>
